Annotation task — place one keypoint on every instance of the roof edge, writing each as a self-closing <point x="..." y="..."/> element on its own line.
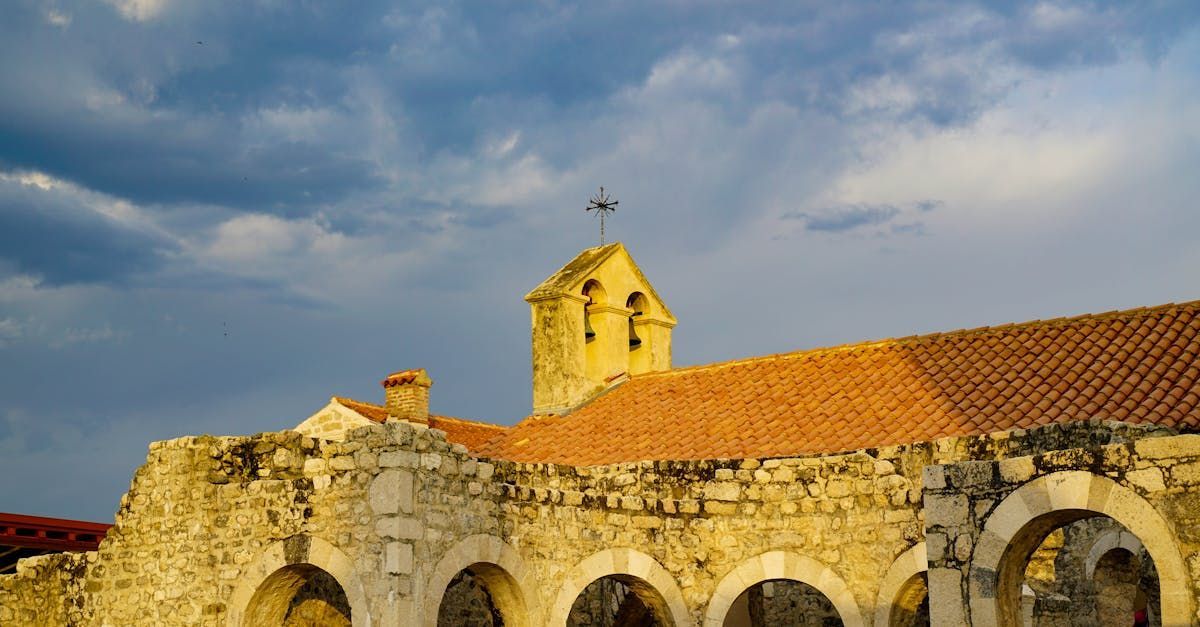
<point x="586" y="260"/>
<point x="928" y="337"/>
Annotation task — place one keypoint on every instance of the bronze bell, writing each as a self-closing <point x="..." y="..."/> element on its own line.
<point x="634" y="340"/>
<point x="589" y="333"/>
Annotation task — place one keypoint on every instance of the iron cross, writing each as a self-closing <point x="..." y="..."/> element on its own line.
<point x="603" y="205"/>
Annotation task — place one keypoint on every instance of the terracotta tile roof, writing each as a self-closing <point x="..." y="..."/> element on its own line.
<point x="469" y="433"/>
<point x="401" y="377"/>
<point x="1138" y="366"/>
<point x="370" y="411"/>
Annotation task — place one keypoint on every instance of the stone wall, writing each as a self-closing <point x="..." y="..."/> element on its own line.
<point x="984" y="517"/>
<point x="394" y="513"/>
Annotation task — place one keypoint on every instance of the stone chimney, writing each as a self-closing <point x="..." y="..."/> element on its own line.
<point x="407" y="394"/>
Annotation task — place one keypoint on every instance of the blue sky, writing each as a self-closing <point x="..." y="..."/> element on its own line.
<point x="215" y="215"/>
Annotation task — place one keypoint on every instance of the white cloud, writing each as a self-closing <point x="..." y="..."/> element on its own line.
<point x="139" y="10"/>
<point x="71" y="336"/>
<point x="40" y="180"/>
<point x="253" y="239"/>
<point x="58" y="18"/>
<point x="10" y="330"/>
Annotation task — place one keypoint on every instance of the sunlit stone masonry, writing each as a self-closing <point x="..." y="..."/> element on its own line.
<point x="1042" y="473"/>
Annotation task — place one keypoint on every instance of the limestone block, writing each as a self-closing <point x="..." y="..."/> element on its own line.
<point x="392" y="492"/>
<point x="720" y="508"/>
<point x="1150" y="479"/>
<point x="314" y="466"/>
<point x="399" y="459"/>
<point x="1017" y="469"/>
<point x="1159" y="448"/>
<point x="945" y="592"/>
<point x="970" y="474"/>
<point x="946" y="510"/>
<point x="783" y="475"/>
<point x="934" y="477"/>
<point x="1185" y="473"/>
<point x="342" y="462"/>
<point x="400" y="528"/>
<point x="836" y="488"/>
<point x="723" y="491"/>
<point x="935" y="545"/>
<point x="398" y="558"/>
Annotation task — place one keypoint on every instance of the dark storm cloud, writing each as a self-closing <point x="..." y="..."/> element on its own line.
<point x="845" y="217"/>
<point x="57" y="238"/>
<point x="143" y="111"/>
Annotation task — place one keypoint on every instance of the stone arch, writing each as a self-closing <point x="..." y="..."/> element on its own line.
<point x="1017" y="525"/>
<point x="897" y="581"/>
<point x="621" y="562"/>
<point x="594" y="291"/>
<point x="1115" y="539"/>
<point x="504" y="573"/>
<point x="295" y="554"/>
<point x="782" y="565"/>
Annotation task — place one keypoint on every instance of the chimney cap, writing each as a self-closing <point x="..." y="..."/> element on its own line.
<point x="416" y="376"/>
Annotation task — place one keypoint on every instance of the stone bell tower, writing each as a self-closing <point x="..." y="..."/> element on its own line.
<point x="595" y="321"/>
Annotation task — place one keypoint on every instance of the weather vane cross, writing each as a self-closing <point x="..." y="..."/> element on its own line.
<point x="602" y="204"/>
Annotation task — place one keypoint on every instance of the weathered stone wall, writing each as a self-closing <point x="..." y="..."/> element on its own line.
<point x="984" y="517"/>
<point x="394" y="512"/>
<point x="46" y="590"/>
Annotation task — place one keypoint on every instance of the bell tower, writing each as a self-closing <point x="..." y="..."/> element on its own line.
<point x="595" y="322"/>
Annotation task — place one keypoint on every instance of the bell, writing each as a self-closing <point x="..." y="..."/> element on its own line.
<point x="634" y="340"/>
<point x="589" y="333"/>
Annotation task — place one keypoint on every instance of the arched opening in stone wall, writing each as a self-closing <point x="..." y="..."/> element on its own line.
<point x="481" y="595"/>
<point x="1060" y="585"/>
<point x="298" y="595"/>
<point x="619" y="601"/>
<point x="782" y="602"/>
<point x="1019" y="526"/>
<point x="910" y="608"/>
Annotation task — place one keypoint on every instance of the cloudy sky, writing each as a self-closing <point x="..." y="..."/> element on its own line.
<point x="216" y="215"/>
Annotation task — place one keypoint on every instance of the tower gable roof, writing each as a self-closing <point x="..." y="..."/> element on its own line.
<point x="570" y="278"/>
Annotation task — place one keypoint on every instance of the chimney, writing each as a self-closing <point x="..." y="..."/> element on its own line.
<point x="407" y="394"/>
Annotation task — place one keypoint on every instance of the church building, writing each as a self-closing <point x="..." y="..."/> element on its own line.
<point x="1041" y="473"/>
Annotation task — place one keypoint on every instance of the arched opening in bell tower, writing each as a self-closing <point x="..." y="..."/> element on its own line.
<point x="639" y="349"/>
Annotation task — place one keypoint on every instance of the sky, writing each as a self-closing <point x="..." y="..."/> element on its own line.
<point x="216" y="215"/>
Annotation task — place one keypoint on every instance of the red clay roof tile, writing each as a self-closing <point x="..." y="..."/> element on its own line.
<point x="471" y="434"/>
<point x="1136" y="365"/>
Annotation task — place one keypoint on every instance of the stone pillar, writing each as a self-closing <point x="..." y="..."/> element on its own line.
<point x="559" y="354"/>
<point x="946" y="515"/>
<point x="655" y="352"/>
<point x="608" y="352"/>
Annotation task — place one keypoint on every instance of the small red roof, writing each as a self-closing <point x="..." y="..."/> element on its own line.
<point x="469" y="433"/>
